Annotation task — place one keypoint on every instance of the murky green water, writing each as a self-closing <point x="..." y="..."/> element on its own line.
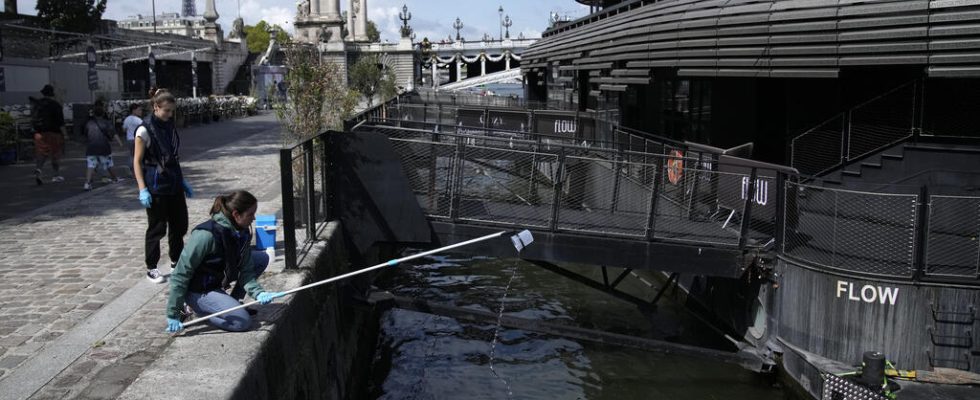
<point x="423" y="356"/>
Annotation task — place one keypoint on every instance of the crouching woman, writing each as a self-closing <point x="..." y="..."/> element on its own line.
<point x="216" y="254"/>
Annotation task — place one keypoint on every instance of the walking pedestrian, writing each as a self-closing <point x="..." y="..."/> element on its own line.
<point x="162" y="187"/>
<point x="98" y="153"/>
<point x="216" y="254"/>
<point x="48" y="121"/>
<point x="130" y="124"/>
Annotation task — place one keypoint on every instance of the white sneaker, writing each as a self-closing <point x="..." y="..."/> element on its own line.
<point x="87" y="187"/>
<point x="154" y="275"/>
<point x="58" y="178"/>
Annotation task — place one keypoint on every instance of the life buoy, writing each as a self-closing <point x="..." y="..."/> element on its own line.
<point x="675" y="166"/>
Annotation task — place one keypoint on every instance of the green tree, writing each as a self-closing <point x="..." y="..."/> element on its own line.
<point x="373" y="34"/>
<point x="71" y="15"/>
<point x="317" y="98"/>
<point x="258" y="36"/>
<point x="369" y="77"/>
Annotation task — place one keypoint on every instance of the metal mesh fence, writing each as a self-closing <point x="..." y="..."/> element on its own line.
<point x="602" y="196"/>
<point x="819" y="149"/>
<point x="506" y="186"/>
<point x="872" y="233"/>
<point x="953" y="248"/>
<point x="300" y="192"/>
<point x="429" y="169"/>
<point x="882" y="121"/>
<point x="678" y="218"/>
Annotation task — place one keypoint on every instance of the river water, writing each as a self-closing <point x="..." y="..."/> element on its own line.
<point x="424" y="356"/>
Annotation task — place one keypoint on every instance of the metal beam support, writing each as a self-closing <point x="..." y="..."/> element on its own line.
<point x="176" y="53"/>
<point x="660" y="293"/>
<point x="590" y="283"/>
<point x="621" y="277"/>
<point x="113" y="50"/>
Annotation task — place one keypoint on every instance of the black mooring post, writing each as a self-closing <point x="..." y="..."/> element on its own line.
<point x="288" y="206"/>
<point x="743" y="236"/>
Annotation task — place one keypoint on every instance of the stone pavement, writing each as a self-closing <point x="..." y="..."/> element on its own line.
<point x="77" y="317"/>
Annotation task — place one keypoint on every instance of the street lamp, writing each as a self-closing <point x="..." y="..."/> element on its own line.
<point x="501" y="12"/>
<point x="153" y="4"/>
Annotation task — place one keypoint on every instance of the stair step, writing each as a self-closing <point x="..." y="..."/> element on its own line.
<point x="827" y="181"/>
<point x="893" y="156"/>
<point x="871" y="165"/>
<point x="852" y="173"/>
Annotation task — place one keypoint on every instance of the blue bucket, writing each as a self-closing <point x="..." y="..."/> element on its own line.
<point x="265" y="231"/>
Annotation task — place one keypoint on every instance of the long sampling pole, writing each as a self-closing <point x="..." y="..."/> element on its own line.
<point x="519" y="240"/>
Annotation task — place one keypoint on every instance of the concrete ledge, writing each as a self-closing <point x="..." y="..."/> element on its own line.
<point x="314" y="344"/>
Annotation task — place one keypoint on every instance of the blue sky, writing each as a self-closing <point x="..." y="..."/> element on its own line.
<point x="430" y="18"/>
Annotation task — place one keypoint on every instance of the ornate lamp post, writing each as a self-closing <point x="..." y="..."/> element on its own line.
<point x="405" y="16"/>
<point x="458" y="25"/>
<point x="507" y="24"/>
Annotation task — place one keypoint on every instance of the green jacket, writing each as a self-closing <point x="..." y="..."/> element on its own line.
<point x="196" y="250"/>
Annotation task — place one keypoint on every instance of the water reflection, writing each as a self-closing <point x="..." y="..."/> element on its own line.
<point x="423" y="356"/>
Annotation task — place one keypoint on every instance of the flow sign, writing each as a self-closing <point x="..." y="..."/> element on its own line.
<point x="90" y="56"/>
<point x="93" y="74"/>
<point x="93" y="79"/>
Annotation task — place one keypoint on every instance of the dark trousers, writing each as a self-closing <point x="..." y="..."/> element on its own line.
<point x="167" y="215"/>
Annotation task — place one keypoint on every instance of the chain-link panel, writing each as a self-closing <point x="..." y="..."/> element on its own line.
<point x="872" y="233"/>
<point x="953" y="247"/>
<point x="678" y="218"/>
<point x="300" y="192"/>
<point x="876" y="233"/>
<point x="600" y="196"/>
<point x="819" y="149"/>
<point x="428" y="167"/>
<point x="506" y="186"/>
<point x="881" y="121"/>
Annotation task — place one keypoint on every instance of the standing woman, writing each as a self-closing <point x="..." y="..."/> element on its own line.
<point x="161" y="182"/>
<point x="216" y="254"/>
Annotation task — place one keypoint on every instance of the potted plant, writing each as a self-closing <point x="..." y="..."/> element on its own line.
<point x="8" y="139"/>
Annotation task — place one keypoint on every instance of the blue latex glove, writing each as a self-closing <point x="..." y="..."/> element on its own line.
<point x="145" y="199"/>
<point x="187" y="189"/>
<point x="267" y="297"/>
<point x="174" y="325"/>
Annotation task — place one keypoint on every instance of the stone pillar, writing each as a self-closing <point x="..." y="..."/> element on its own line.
<point x="507" y="61"/>
<point x="483" y="65"/>
<point x="362" y="17"/>
<point x="435" y="74"/>
<point x="350" y="21"/>
<point x="330" y="9"/>
<point x="315" y="8"/>
<point x="459" y="69"/>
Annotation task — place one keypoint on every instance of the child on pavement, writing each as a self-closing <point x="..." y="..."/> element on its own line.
<point x="130" y="125"/>
<point x="98" y="153"/>
<point x="162" y="187"/>
<point x="216" y="254"/>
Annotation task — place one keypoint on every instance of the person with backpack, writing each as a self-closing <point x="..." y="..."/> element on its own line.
<point x="98" y="153"/>
<point x="130" y="125"/>
<point x="48" y="122"/>
<point x="162" y="188"/>
<point x="217" y="253"/>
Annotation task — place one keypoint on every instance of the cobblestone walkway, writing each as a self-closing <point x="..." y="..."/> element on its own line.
<point x="63" y="264"/>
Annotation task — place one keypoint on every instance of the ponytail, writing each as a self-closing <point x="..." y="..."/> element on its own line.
<point x="239" y="200"/>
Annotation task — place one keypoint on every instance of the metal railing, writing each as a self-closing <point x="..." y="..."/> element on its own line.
<point x="564" y="188"/>
<point x="673" y="192"/>
<point x="305" y="194"/>
<point x="852" y="135"/>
